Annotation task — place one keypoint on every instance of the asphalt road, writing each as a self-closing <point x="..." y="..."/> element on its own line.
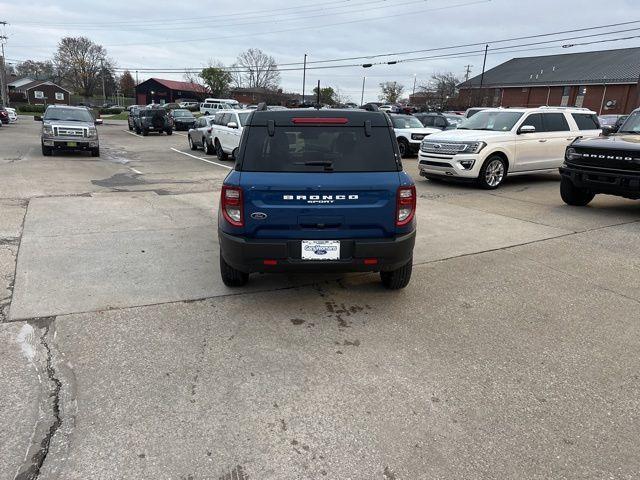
<point x="513" y="353"/>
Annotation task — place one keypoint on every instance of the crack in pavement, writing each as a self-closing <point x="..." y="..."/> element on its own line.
<point x="39" y="448"/>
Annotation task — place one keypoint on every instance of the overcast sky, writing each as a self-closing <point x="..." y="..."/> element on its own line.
<point x="179" y="34"/>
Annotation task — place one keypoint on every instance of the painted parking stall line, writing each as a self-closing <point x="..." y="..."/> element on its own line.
<point x="202" y="159"/>
<point x="132" y="133"/>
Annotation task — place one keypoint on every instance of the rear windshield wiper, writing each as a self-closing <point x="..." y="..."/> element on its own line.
<point x="318" y="163"/>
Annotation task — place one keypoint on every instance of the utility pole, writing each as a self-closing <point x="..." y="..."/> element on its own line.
<point x="415" y="77"/>
<point x="484" y="64"/>
<point x="3" y="74"/>
<point x="304" y="76"/>
<point x="468" y="72"/>
<point x="362" y="97"/>
<point x="318" y="93"/>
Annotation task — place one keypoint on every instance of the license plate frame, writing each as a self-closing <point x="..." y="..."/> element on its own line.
<point x="320" y="250"/>
<point x="72" y="144"/>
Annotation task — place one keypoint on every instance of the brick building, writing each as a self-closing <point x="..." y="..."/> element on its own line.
<point x="158" y="90"/>
<point x="604" y="81"/>
<point x="38" y="92"/>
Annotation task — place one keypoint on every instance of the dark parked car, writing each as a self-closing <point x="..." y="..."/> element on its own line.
<point x="4" y="116"/>
<point x="153" y="120"/>
<point x="608" y="165"/>
<point x="183" y="119"/>
<point x="442" y="121"/>
<point x="611" y="123"/>
<point x="134" y="111"/>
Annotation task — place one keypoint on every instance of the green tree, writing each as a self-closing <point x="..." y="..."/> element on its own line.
<point x="327" y="95"/>
<point x="127" y="84"/>
<point x="390" y="92"/>
<point x="217" y="79"/>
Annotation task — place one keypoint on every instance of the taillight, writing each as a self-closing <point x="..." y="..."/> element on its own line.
<point x="231" y="205"/>
<point x="405" y="205"/>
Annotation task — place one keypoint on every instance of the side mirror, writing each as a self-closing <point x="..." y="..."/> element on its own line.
<point x="527" y="129"/>
<point x="232" y="125"/>
<point x="99" y="121"/>
<point x="608" y="130"/>
<point x="37" y="118"/>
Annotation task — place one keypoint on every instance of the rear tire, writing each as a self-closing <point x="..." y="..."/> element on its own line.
<point x="219" y="152"/>
<point x="572" y="195"/>
<point x="399" y="278"/>
<point x="169" y="131"/>
<point x="138" y="131"/>
<point x="208" y="148"/>
<point x="230" y="276"/>
<point x="145" y="132"/>
<point x="192" y="146"/>
<point x="130" y="128"/>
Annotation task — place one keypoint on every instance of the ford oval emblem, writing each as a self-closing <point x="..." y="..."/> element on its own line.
<point x="258" y="215"/>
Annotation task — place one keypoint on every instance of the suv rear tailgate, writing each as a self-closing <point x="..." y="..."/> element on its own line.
<point x="320" y="205"/>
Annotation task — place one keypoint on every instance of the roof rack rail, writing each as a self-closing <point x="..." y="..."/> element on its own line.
<point x="565" y="108"/>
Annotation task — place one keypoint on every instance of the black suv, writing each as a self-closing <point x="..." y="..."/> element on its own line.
<point x="439" y="120"/>
<point x="134" y="111"/>
<point x="603" y="165"/>
<point x="152" y="119"/>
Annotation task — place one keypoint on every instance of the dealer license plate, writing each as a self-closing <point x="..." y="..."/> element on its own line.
<point x="72" y="144"/>
<point x="320" y="249"/>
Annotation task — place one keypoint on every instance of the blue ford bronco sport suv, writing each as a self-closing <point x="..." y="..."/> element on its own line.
<point x="317" y="191"/>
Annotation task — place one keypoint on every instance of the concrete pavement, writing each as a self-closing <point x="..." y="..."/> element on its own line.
<point x="512" y="353"/>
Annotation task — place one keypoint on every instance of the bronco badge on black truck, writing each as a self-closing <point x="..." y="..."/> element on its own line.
<point x="317" y="191"/>
<point x="608" y="165"/>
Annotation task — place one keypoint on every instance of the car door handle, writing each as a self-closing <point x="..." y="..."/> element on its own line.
<point x="542" y="140"/>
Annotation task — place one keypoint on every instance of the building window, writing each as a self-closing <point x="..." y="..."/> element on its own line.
<point x="38" y="94"/>
<point x="566" y="92"/>
<point x="582" y="91"/>
<point x="59" y="96"/>
<point x="497" y="96"/>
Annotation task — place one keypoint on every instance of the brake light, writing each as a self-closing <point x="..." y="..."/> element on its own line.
<point x="320" y="120"/>
<point x="209" y="130"/>
<point x="231" y="204"/>
<point x="405" y="205"/>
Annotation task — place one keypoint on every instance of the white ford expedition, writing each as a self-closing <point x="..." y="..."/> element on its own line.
<point x="226" y="131"/>
<point x="409" y="133"/>
<point x="496" y="142"/>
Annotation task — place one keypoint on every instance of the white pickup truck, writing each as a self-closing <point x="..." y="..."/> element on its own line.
<point x="226" y="131"/>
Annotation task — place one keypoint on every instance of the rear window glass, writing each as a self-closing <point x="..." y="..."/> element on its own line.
<point x="586" y="121"/>
<point x="555" y="122"/>
<point x="319" y="149"/>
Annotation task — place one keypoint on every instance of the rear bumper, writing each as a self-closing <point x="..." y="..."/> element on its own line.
<point x="248" y="255"/>
<point x="622" y="184"/>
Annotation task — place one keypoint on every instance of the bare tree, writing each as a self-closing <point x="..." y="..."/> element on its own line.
<point x="442" y="87"/>
<point x="80" y="62"/>
<point x="255" y="69"/>
<point x="38" y="70"/>
<point x="390" y="92"/>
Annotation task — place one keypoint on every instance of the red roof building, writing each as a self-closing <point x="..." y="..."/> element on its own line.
<point x="158" y="90"/>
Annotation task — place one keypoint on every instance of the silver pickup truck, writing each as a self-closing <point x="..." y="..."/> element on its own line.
<point x="70" y="129"/>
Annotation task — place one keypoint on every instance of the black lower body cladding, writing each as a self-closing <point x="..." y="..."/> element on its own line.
<point x="248" y="255"/>
<point x="612" y="182"/>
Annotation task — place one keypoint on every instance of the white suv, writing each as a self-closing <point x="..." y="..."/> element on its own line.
<point x="496" y="142"/>
<point x="409" y="132"/>
<point x="226" y="130"/>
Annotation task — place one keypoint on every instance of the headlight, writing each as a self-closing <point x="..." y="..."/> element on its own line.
<point x="571" y="154"/>
<point x="474" y="147"/>
<point x="47" y="130"/>
<point x="93" y="132"/>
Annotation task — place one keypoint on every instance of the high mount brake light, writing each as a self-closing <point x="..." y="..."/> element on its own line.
<point x="231" y="203"/>
<point x="320" y="120"/>
<point x="405" y="205"/>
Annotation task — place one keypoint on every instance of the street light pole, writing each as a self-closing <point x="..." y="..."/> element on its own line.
<point x="304" y="76"/>
<point x="484" y="63"/>
<point x="362" y="97"/>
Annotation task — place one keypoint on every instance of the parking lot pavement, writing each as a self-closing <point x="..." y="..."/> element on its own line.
<point x="512" y="353"/>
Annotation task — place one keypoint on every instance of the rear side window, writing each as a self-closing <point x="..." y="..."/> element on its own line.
<point x="555" y="122"/>
<point x="586" y="121"/>
<point x="309" y="149"/>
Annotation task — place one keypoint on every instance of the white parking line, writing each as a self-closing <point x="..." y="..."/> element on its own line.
<point x="136" y="171"/>
<point x="202" y="159"/>
<point x="132" y="133"/>
<point x="182" y="134"/>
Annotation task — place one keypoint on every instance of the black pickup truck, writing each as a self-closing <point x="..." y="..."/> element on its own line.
<point x="608" y="165"/>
